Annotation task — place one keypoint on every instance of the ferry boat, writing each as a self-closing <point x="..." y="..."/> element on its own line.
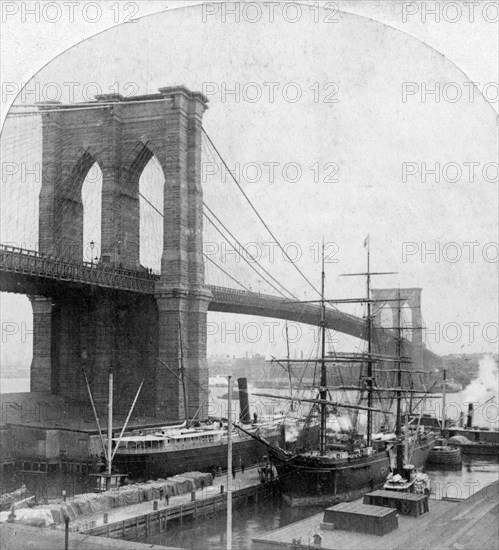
<point x="193" y="445"/>
<point x="170" y="451"/>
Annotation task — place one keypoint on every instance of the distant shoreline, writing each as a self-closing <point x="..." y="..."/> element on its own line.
<point x="14" y="384"/>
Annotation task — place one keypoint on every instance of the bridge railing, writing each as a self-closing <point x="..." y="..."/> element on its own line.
<point x="245" y="295"/>
<point x="266" y="301"/>
<point x="253" y="297"/>
<point x="32" y="262"/>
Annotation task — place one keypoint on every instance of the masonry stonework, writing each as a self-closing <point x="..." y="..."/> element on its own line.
<point x="138" y="337"/>
<point x="41" y="366"/>
<point x="409" y="298"/>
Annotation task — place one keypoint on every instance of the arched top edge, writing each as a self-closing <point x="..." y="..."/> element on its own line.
<point x="138" y="156"/>
<point x="88" y="155"/>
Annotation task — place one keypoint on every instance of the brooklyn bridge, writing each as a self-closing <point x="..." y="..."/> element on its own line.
<point x="109" y="312"/>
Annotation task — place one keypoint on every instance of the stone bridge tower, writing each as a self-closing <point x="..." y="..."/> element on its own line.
<point x="411" y="298"/>
<point x="138" y="336"/>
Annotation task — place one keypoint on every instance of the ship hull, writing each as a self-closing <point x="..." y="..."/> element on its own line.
<point x="307" y="481"/>
<point x="165" y="464"/>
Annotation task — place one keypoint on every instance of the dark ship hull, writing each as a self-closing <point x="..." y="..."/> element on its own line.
<point x="307" y="480"/>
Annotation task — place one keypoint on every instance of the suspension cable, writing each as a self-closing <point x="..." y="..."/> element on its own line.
<point x="246" y="259"/>
<point x="243" y="248"/>
<point x="226" y="273"/>
<point x="258" y="215"/>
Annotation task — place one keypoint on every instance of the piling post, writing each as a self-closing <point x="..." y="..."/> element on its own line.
<point x="66" y="532"/>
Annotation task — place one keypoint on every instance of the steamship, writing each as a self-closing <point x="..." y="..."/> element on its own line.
<point x="174" y="450"/>
<point x="194" y="446"/>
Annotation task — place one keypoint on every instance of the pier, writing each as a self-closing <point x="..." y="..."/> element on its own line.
<point x="469" y="523"/>
<point x="148" y="518"/>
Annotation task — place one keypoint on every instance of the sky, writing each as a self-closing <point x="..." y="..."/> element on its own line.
<point x="352" y="130"/>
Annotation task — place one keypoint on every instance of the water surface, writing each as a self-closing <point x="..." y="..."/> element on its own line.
<point x="257" y="519"/>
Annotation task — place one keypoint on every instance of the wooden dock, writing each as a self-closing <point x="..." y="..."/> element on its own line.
<point x="470" y="524"/>
<point x="151" y="523"/>
<point x="148" y="518"/>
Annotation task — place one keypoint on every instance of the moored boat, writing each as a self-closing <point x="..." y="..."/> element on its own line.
<point x="312" y="479"/>
<point x="194" y="445"/>
<point x="333" y="473"/>
<point x="168" y="452"/>
<point x="474" y="448"/>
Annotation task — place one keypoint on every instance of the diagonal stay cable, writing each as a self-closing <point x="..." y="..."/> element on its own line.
<point x="151" y="205"/>
<point x="248" y="253"/>
<point x="268" y="229"/>
<point x="258" y="214"/>
<point x="246" y="259"/>
<point x="205" y="255"/>
<point x="239" y="244"/>
<point x="226" y="273"/>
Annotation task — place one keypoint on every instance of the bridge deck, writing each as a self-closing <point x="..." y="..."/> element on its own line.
<point x="37" y="268"/>
<point x="33" y="263"/>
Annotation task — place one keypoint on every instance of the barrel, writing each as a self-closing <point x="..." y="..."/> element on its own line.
<point x="445" y="455"/>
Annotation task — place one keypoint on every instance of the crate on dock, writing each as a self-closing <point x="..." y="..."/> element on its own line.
<point x="407" y="504"/>
<point x="362" y="518"/>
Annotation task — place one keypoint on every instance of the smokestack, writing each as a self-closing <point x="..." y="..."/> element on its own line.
<point x="244" y="415"/>
<point x="469" y="422"/>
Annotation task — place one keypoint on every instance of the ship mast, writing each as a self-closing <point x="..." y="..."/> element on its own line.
<point x="370" y="357"/>
<point x="398" y="426"/>
<point x="369" y="352"/>
<point x="109" y="459"/>
<point x="323" y="382"/>
<point x="369" y="325"/>
<point x="289" y="366"/>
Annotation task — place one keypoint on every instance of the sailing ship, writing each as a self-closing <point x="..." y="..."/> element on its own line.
<point x="336" y="472"/>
